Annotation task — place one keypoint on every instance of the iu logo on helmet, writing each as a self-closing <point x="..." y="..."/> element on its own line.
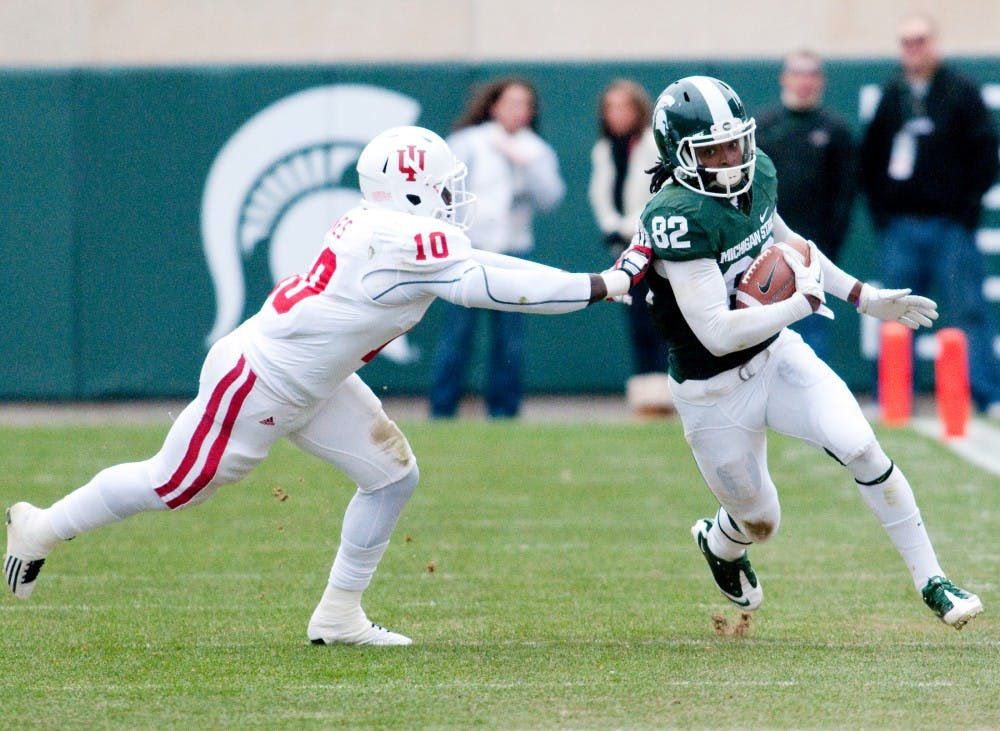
<point x="408" y="157"/>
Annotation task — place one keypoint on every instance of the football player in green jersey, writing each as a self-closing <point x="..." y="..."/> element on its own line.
<point x="735" y="372"/>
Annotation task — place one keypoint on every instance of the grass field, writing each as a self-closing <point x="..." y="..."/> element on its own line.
<point x="545" y="572"/>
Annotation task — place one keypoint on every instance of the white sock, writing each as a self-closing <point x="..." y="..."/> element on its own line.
<point x="371" y="515"/>
<point x="340" y="610"/>
<point x="354" y="566"/>
<point x="725" y="539"/>
<point x="893" y="503"/>
<point x="369" y="520"/>
<point x="37" y="535"/>
<point x="112" y="495"/>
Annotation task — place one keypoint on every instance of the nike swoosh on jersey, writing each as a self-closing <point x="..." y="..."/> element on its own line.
<point x="767" y="282"/>
<point x="764" y="214"/>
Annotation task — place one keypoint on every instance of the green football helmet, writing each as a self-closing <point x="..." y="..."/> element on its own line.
<point x="698" y="112"/>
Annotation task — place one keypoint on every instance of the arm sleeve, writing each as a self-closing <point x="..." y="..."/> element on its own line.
<point x="460" y="143"/>
<point x="503" y="261"/>
<point x="835" y="280"/>
<point x="643" y="156"/>
<point x="540" y="289"/>
<point x="979" y="133"/>
<point x="524" y="286"/>
<point x="703" y="300"/>
<point x="873" y="155"/>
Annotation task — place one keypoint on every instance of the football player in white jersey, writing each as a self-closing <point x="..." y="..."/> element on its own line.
<point x="289" y="371"/>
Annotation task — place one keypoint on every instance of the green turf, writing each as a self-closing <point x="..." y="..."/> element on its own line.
<point x="545" y="573"/>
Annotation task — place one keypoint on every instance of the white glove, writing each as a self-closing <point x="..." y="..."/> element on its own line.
<point x="897" y="305"/>
<point x="808" y="279"/>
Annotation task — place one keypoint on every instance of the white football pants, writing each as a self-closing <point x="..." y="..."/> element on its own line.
<point x="229" y="428"/>
<point x="235" y="419"/>
<point x="789" y="389"/>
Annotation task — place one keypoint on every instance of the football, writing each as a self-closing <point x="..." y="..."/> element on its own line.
<point x="769" y="279"/>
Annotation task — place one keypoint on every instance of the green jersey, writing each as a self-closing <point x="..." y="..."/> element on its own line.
<point x="683" y="225"/>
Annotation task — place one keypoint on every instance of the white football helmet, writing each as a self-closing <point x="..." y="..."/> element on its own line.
<point x="412" y="170"/>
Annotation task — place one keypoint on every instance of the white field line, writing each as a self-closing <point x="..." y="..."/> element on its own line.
<point x="980" y="445"/>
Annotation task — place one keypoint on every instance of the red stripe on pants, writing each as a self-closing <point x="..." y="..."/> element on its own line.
<point x="197" y="443"/>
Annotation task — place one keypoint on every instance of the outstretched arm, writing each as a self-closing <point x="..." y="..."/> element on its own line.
<point x="498" y="282"/>
<point x="541" y="289"/>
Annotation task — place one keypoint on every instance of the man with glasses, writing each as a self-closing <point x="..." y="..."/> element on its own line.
<point x="927" y="158"/>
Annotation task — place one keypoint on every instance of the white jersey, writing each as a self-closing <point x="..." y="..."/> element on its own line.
<point x="374" y="279"/>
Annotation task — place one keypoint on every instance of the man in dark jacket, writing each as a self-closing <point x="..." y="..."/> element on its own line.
<point x="815" y="157"/>
<point x="927" y="158"/>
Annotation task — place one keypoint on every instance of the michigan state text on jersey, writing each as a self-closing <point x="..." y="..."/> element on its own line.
<point x="683" y="225"/>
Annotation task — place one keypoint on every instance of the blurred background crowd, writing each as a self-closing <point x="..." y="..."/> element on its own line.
<point x="165" y="163"/>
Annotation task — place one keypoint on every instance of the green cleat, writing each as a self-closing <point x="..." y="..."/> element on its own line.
<point x="735" y="579"/>
<point x="954" y="606"/>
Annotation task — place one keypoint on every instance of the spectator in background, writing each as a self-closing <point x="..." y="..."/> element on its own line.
<point x="514" y="173"/>
<point x="618" y="191"/>
<point x="927" y="157"/>
<point x="815" y="156"/>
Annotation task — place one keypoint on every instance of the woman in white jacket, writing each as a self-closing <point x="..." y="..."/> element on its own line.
<point x="515" y="173"/>
<point x="618" y="191"/>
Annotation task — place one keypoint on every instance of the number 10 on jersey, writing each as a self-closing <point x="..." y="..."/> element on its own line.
<point x="437" y="243"/>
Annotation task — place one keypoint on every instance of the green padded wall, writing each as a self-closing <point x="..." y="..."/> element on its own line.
<point x="102" y="178"/>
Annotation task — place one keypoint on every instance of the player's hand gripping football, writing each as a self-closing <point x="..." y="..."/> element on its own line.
<point x="808" y="277"/>
<point x="897" y="305"/>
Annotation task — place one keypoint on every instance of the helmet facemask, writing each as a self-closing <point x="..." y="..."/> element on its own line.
<point x="719" y="182"/>
<point x="457" y="203"/>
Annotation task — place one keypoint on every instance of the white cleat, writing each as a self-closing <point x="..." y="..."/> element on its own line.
<point x="340" y="620"/>
<point x="372" y="634"/>
<point x="30" y="539"/>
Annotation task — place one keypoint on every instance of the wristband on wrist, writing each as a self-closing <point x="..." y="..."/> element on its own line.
<point x="855" y="296"/>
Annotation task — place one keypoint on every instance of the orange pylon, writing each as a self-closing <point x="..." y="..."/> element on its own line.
<point x="951" y="382"/>
<point x="895" y="374"/>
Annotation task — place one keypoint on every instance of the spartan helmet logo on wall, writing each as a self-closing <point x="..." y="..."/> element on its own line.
<point x="281" y="180"/>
